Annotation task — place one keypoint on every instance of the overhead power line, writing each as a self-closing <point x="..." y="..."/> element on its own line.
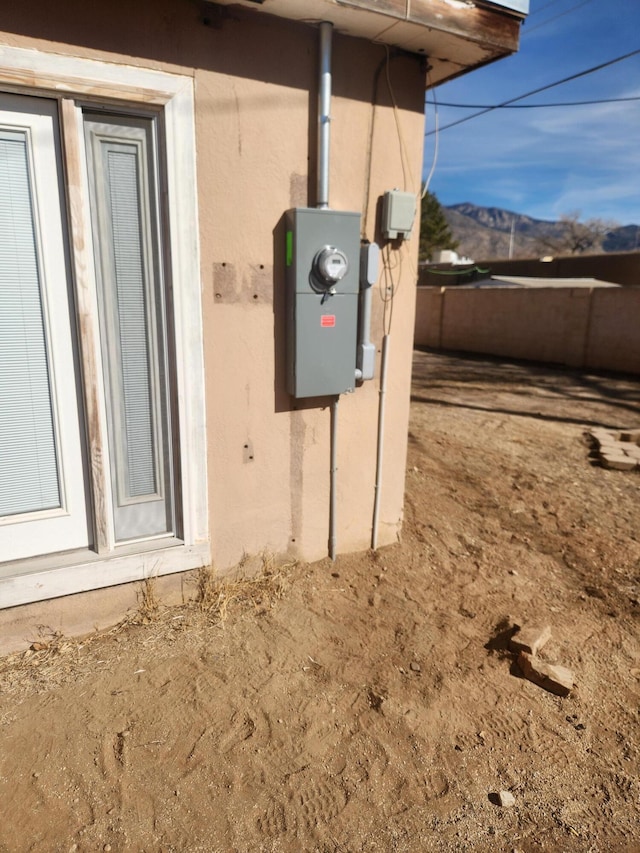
<point x="542" y="8"/>
<point x="539" y="89"/>
<point x="526" y="30"/>
<point x="535" y="106"/>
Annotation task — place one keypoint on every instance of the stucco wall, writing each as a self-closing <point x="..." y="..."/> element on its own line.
<point x="579" y="327"/>
<point x="256" y="157"/>
<point x="255" y="88"/>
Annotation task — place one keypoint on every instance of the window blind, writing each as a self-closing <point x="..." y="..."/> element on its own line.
<point x="28" y="465"/>
<point x="124" y="191"/>
<point x="131" y="310"/>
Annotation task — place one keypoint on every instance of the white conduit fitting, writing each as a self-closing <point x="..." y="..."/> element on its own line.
<point x="324" y="114"/>
<point x="380" y="444"/>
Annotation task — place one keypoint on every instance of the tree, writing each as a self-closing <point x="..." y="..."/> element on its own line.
<point x="435" y="232"/>
<point x="572" y="237"/>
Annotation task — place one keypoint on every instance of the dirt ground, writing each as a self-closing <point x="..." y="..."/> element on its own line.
<point x="371" y="704"/>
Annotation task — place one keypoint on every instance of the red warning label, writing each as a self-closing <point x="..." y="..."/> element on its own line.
<point x="328" y="321"/>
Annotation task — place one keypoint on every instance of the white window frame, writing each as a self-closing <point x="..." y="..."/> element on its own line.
<point x="75" y="80"/>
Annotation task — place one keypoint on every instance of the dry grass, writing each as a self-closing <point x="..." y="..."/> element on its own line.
<point x="148" y="602"/>
<point x="48" y="660"/>
<point x="53" y="659"/>
<point x="218" y="597"/>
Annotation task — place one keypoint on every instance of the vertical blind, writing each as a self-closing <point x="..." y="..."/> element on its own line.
<point x="131" y="311"/>
<point x="28" y="465"/>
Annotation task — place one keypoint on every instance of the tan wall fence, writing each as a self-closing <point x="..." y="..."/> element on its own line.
<point x="579" y="327"/>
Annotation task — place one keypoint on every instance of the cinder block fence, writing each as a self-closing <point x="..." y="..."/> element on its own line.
<point x="595" y="327"/>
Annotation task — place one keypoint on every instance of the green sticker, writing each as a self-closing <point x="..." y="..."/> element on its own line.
<point x="289" y="259"/>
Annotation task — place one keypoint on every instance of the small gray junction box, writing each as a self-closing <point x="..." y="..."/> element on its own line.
<point x="398" y="213"/>
<point x="322" y="278"/>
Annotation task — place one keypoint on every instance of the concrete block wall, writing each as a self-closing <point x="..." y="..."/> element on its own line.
<point x="577" y="327"/>
<point x="614" y="342"/>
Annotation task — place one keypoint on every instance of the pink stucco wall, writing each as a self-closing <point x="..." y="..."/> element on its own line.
<point x="255" y="100"/>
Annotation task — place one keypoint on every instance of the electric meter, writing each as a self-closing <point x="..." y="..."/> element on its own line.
<point x="330" y="265"/>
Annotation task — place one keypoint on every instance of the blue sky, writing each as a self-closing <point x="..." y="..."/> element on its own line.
<point x="545" y="162"/>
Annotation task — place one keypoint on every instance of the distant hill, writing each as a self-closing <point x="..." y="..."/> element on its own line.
<point x="485" y="232"/>
<point x="624" y="239"/>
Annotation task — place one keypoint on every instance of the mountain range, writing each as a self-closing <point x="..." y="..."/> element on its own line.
<point x="485" y="233"/>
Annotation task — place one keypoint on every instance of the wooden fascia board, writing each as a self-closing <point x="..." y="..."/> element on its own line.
<point x="490" y="29"/>
<point x="493" y="30"/>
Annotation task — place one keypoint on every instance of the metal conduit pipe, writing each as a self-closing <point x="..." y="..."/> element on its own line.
<point x="332" y="478"/>
<point x="380" y="444"/>
<point x="324" y="114"/>
<point x="322" y="203"/>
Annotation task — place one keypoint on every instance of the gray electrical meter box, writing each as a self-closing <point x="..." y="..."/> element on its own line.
<point x="322" y="271"/>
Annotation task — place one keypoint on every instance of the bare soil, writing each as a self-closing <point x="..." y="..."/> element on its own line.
<point x="372" y="704"/>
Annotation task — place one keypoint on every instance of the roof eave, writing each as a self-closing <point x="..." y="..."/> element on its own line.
<point x="456" y="35"/>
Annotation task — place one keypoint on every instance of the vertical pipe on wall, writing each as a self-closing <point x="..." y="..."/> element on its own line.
<point x="324" y="114"/>
<point x="332" y="478"/>
<point x="380" y="443"/>
<point x="322" y="203"/>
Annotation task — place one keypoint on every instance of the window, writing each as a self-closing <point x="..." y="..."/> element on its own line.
<point x="123" y="185"/>
<point x="42" y="474"/>
<point x="101" y="425"/>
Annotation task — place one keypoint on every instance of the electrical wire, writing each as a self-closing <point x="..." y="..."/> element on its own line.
<point x="539" y="89"/>
<point x="404" y="158"/>
<point x="369" y="158"/>
<point x="436" y="143"/>
<point x="542" y="8"/>
<point x="392" y="258"/>
<point x="391" y="273"/>
<point x="526" y="31"/>
<point x="534" y="106"/>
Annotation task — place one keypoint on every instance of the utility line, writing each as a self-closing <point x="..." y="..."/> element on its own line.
<point x="540" y="89"/>
<point x="542" y="8"/>
<point x="534" y="106"/>
<point x="526" y="30"/>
